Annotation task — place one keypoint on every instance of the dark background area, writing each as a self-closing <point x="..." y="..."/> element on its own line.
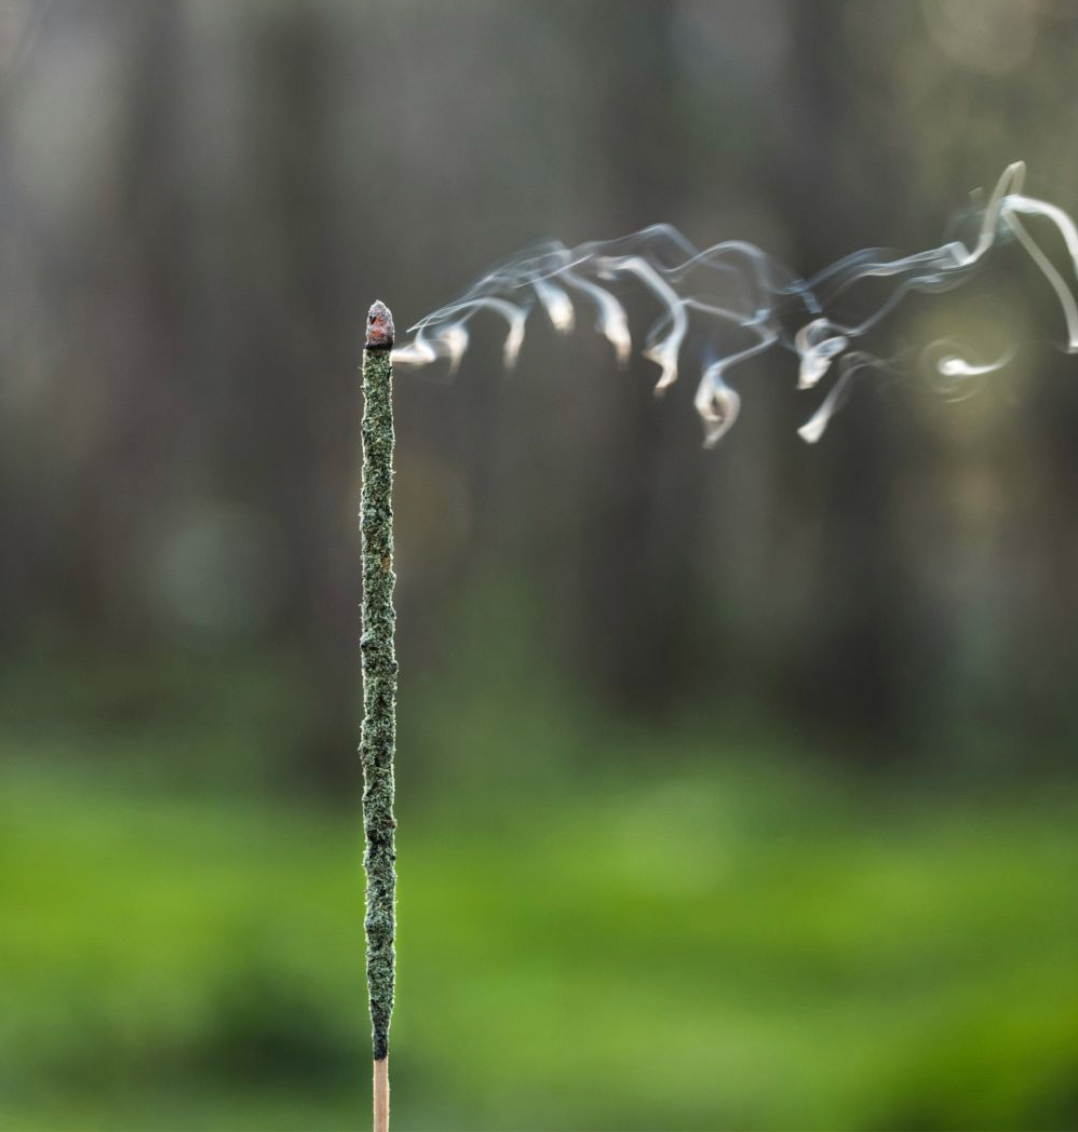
<point x="704" y="755"/>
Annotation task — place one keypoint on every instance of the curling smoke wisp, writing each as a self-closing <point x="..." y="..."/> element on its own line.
<point x="741" y="302"/>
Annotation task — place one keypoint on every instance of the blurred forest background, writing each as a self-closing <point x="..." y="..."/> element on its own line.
<point x="736" y="788"/>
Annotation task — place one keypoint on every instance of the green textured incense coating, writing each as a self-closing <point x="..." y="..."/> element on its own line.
<point x="379" y="734"/>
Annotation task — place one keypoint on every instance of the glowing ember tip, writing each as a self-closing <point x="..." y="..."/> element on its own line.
<point x="380" y="332"/>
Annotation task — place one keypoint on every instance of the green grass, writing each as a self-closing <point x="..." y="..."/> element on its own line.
<point x="670" y="948"/>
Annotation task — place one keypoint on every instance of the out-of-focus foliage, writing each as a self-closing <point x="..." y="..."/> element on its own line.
<point x="702" y="933"/>
<point x="736" y="788"/>
<point x="740" y="945"/>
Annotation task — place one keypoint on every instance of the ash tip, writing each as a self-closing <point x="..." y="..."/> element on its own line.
<point x="380" y="332"/>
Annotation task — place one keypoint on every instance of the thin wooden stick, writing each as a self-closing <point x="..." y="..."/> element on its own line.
<point x="381" y="1095"/>
<point x="379" y="734"/>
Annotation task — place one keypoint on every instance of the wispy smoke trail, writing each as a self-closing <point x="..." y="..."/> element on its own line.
<point x="743" y="302"/>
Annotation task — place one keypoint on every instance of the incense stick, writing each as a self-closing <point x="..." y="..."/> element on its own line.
<point x="379" y="732"/>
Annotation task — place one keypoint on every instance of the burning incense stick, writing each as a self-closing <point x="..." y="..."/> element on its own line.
<point x="379" y="735"/>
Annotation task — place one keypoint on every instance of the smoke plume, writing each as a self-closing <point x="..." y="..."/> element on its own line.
<point x="738" y="302"/>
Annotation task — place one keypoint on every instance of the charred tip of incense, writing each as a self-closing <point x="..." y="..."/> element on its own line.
<point x="380" y="332"/>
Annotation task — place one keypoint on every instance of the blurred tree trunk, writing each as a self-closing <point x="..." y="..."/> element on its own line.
<point x="638" y="588"/>
<point x="296" y="348"/>
<point x="847" y="671"/>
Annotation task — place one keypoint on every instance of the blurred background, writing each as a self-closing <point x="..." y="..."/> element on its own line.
<point x="736" y="788"/>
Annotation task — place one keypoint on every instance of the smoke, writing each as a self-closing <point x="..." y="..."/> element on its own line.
<point x="740" y="302"/>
